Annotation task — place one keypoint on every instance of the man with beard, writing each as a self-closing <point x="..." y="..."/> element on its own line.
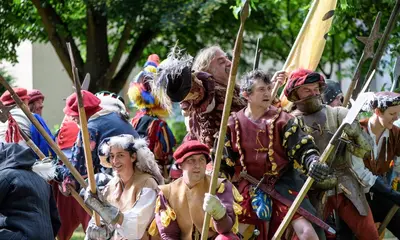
<point x="265" y="142"/>
<point x="347" y="197"/>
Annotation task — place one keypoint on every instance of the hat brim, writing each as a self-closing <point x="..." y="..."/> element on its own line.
<point x="188" y="154"/>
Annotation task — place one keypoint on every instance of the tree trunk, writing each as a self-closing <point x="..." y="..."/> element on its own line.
<point x="97" y="57"/>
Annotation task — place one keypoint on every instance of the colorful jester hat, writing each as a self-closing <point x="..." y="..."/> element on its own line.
<point x="140" y="89"/>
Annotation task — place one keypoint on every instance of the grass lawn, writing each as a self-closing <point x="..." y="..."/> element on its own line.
<point x="78" y="234"/>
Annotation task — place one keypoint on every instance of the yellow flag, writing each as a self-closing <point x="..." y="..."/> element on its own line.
<point x="310" y="43"/>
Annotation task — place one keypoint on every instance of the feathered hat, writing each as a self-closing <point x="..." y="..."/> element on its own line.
<point x="140" y="92"/>
<point x="145" y="161"/>
<point x="174" y="78"/>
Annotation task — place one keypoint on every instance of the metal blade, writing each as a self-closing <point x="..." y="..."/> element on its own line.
<point x="4" y="112"/>
<point x="86" y="82"/>
<point x="356" y="107"/>
<point x="368" y="82"/>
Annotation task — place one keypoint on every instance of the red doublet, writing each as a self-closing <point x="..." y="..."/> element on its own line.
<point x="261" y="142"/>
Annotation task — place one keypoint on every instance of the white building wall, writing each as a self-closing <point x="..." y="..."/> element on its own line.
<point x="50" y="77"/>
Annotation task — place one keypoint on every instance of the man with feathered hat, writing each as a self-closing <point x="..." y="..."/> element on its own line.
<point x="200" y="87"/>
<point x="346" y="188"/>
<point x="181" y="205"/>
<point x="149" y="120"/>
<point x="126" y="204"/>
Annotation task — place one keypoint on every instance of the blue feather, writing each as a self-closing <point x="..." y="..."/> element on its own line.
<point x="147" y="97"/>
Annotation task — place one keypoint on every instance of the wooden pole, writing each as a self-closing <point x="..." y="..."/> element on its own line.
<point x="226" y="113"/>
<point x="296" y="43"/>
<point x="43" y="132"/>
<point x="84" y="130"/>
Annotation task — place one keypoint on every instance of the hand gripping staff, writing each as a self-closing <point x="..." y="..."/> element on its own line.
<point x="43" y="132"/>
<point x="84" y="129"/>
<point x="4" y="113"/>
<point x="349" y="119"/>
<point x="226" y="112"/>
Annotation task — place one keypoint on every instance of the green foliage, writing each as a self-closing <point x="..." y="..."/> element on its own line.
<point x="142" y="27"/>
<point x="178" y="128"/>
<point x="10" y="79"/>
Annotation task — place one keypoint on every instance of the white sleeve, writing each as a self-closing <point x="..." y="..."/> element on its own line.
<point x="363" y="173"/>
<point x="137" y="219"/>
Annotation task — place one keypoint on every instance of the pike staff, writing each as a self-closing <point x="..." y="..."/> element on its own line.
<point x="226" y="112"/>
<point x="43" y="132"/>
<point x="84" y="130"/>
<point x="4" y="114"/>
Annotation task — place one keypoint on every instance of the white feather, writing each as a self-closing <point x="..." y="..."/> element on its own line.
<point x="46" y="170"/>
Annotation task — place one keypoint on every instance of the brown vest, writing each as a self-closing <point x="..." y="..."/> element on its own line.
<point x="188" y="204"/>
<point x="124" y="198"/>
<point x="381" y="165"/>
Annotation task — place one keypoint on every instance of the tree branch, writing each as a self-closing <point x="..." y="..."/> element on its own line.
<point x="141" y="42"/>
<point x="58" y="34"/>
<point x="119" y="51"/>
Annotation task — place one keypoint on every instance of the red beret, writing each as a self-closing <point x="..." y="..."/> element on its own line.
<point x="301" y="77"/>
<point x="35" y="95"/>
<point x="90" y="102"/>
<point x="67" y="135"/>
<point x="7" y="100"/>
<point x="189" y="148"/>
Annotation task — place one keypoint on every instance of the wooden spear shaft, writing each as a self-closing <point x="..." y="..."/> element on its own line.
<point x="84" y="131"/>
<point x="296" y="43"/>
<point x="41" y="156"/>
<point x="43" y="132"/>
<point x="226" y="113"/>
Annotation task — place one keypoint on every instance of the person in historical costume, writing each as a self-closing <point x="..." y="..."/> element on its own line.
<point x="149" y="120"/>
<point x="102" y="123"/>
<point x="200" y="87"/>
<point x="113" y="102"/>
<point x="71" y="213"/>
<point x="333" y="95"/>
<point x="27" y="206"/>
<point x="265" y="142"/>
<point x="126" y="205"/>
<point x="10" y="130"/>
<point x="36" y="99"/>
<point x="182" y="204"/>
<point x="347" y="186"/>
<point x="385" y="139"/>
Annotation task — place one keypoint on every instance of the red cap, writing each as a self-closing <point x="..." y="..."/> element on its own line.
<point x="301" y="77"/>
<point x="35" y="95"/>
<point x="190" y="148"/>
<point x="90" y="102"/>
<point x="7" y="100"/>
<point x="67" y="135"/>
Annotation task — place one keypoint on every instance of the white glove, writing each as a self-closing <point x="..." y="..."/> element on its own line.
<point x="213" y="206"/>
